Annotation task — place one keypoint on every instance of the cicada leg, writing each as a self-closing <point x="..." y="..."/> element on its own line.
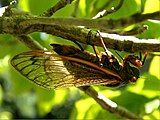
<point x="96" y="51"/>
<point x="102" y="56"/>
<point x="145" y="56"/>
<point x="108" y="53"/>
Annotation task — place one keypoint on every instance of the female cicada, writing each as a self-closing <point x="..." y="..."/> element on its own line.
<point x="67" y="66"/>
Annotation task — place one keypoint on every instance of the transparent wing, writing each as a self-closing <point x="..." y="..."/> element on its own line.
<point x="49" y="70"/>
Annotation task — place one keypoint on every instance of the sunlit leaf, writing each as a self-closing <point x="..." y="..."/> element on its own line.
<point x="128" y="8"/>
<point x="151" y="83"/>
<point x="133" y="102"/>
<point x="152" y="6"/>
<point x="41" y="7"/>
<point x="155" y="67"/>
<point x="152" y="105"/>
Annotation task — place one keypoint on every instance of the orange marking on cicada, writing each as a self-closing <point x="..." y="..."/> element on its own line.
<point x="105" y="70"/>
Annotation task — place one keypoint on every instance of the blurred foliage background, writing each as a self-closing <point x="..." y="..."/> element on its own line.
<point x="19" y="98"/>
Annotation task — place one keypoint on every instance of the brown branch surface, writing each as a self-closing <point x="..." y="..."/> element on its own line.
<point x="101" y="24"/>
<point x="20" y="26"/>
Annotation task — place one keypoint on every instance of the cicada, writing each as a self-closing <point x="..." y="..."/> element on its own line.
<point x="67" y="66"/>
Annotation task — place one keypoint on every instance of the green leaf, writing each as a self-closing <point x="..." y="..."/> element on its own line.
<point x="151" y="83"/>
<point x="132" y="101"/>
<point x="128" y="8"/>
<point x="39" y="6"/>
<point x="21" y="84"/>
<point x="152" y="6"/>
<point x="155" y="67"/>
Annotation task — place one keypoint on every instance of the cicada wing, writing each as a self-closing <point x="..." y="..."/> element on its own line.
<point x="42" y="67"/>
<point x="49" y="70"/>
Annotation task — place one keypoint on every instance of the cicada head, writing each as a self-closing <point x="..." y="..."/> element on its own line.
<point x="129" y="73"/>
<point x="133" y="73"/>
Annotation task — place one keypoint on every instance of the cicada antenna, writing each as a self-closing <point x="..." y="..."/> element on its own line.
<point x="140" y="56"/>
<point x="119" y="55"/>
<point x="79" y="45"/>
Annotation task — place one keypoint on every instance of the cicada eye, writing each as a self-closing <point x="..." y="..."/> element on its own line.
<point x="133" y="79"/>
<point x="134" y="74"/>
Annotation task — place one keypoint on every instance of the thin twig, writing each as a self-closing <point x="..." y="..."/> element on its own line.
<point x="134" y="31"/>
<point x="76" y="7"/>
<point x="107" y="12"/>
<point x="97" y="10"/>
<point x="109" y="105"/>
<point x="100" y="24"/>
<point x="105" y="5"/>
<point x="61" y="4"/>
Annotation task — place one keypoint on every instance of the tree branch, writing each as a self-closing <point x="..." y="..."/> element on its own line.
<point x="101" y="24"/>
<point x="20" y="26"/>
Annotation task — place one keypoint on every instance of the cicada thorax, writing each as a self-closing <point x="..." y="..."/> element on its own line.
<point x="110" y="62"/>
